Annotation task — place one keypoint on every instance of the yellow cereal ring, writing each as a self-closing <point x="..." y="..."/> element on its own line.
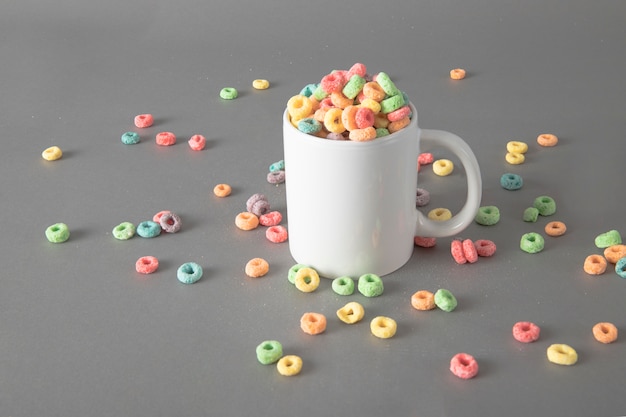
<point x="351" y="313"/>
<point x="562" y="354"/>
<point x="299" y="107"/>
<point x="52" y="153"/>
<point x="307" y="279"/>
<point x="383" y="327"/>
<point x="440" y="214"/>
<point x="260" y="84"/>
<point x="514" y="158"/>
<point x="373" y="105"/>
<point x="332" y="120"/>
<point x="398" y="124"/>
<point x="289" y="365"/>
<point x="443" y="167"/>
<point x="381" y="121"/>
<point x="515" y="146"/>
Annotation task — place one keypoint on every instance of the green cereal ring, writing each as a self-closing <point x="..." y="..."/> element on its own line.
<point x="228" y="93"/>
<point x="391" y="103"/>
<point x="545" y="205"/>
<point x="488" y="215"/>
<point x="189" y="272"/>
<point x="58" y="233"/>
<point x="130" y="138"/>
<point x="445" y="300"/>
<point x="531" y="242"/>
<point x="381" y="131"/>
<point x="319" y="94"/>
<point x="291" y="275"/>
<point x="148" y="229"/>
<point x="531" y="214"/>
<point x="606" y="239"/>
<point x="386" y="84"/>
<point x="343" y="285"/>
<point x="370" y="285"/>
<point x="354" y="86"/>
<point x="269" y="352"/>
<point x="124" y="231"/>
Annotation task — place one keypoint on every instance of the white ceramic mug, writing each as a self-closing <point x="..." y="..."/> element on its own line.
<point x="351" y="205"/>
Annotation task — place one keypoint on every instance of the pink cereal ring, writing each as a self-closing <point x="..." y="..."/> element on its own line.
<point x="425" y="158"/>
<point x="398" y="114"/>
<point x="272" y="218"/>
<point x="157" y="217"/>
<point x="464" y="366"/>
<point x="146" y="264"/>
<point x="333" y="82"/>
<point x="525" y="331"/>
<point x="357" y="69"/>
<point x="456" y="249"/>
<point x="144" y="120"/>
<point x="197" y="142"/>
<point x="364" y="117"/>
<point x="425" y="242"/>
<point x="469" y="251"/>
<point x="326" y="103"/>
<point x="276" y="234"/>
<point x="485" y="247"/>
<point x="165" y="139"/>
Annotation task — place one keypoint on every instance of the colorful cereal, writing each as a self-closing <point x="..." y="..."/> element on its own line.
<point x="146" y="264"/>
<point x="515" y="146"/>
<point x="306" y="279"/>
<point x="456" y="250"/>
<point x="343" y="285"/>
<point x="289" y="365"/>
<point x="257" y="267"/>
<point x="562" y="354"/>
<point x="526" y="331"/>
<point x="197" y="142"/>
<point x="547" y="139"/>
<point x="555" y="228"/>
<point x="276" y="177"/>
<point x="487" y="215"/>
<point x="514" y="158"/>
<point x="605" y="332"/>
<point x="443" y="167"/>
<point x="511" y="181"/>
<point x="228" y="93"/>
<point x="124" y="231"/>
<point x="545" y="204"/>
<point x="385" y="82"/>
<point x="425" y="158"/>
<point x="246" y="221"/>
<point x="144" y="120"/>
<point x="532" y="242"/>
<point x="269" y="351"/>
<point x="333" y="120"/>
<point x="257" y="204"/>
<point x="57" y="233"/>
<point x="383" y="327"/>
<point x="606" y="239"/>
<point x="333" y="82"/>
<point x="170" y="222"/>
<point x="313" y="323"/>
<point x="363" y="135"/>
<point x="364" y="117"/>
<point x="157" y="217"/>
<point x="148" y="229"/>
<point x="354" y="86"/>
<point x="260" y="84"/>
<point x="291" y="274"/>
<point x="485" y="247"/>
<point x="309" y="126"/>
<point x="614" y="253"/>
<point x="457" y="73"/>
<point x="130" y="138"/>
<point x="351" y="313"/>
<point x="620" y="267"/>
<point x="276" y="234"/>
<point x="52" y="153"/>
<point x="530" y="214"/>
<point x="469" y="251"/>
<point x="595" y="265"/>
<point x="391" y="103"/>
<point x="189" y="273"/>
<point x="423" y="300"/>
<point x="445" y="300"/>
<point x="271" y="218"/>
<point x="165" y="139"/>
<point x="299" y="107"/>
<point x="222" y="190"/>
<point x="464" y="366"/>
<point x="424" y="242"/>
<point x="370" y="285"/>
<point x="440" y="214"/>
<point x="374" y="91"/>
<point x="277" y="166"/>
<point x="422" y="197"/>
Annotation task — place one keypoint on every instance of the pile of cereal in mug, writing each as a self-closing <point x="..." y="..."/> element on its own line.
<point x="349" y="104"/>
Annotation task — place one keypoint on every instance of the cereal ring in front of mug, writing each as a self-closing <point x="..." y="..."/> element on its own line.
<point x="291" y="274"/>
<point x="516" y="146"/>
<point x="469" y="251"/>
<point x="246" y="221"/>
<point x="370" y="285"/>
<point x="313" y="323"/>
<point x="299" y="107"/>
<point x="383" y="327"/>
<point x="487" y="215"/>
<point x="562" y="354"/>
<point x="424" y="242"/>
<point x="423" y="300"/>
<point x="443" y="167"/>
<point x="276" y="234"/>
<point x="306" y="279"/>
<point x="289" y="365"/>
<point x="422" y="197"/>
<point x="165" y="139"/>
<point x="457" y="73"/>
<point x="514" y="158"/>
<point x="445" y="300"/>
<point x="526" y="331"/>
<point x="440" y="214"/>
<point x="547" y="139"/>
<point x="464" y="366"/>
<point x="555" y="228"/>
<point x="363" y="135"/>
<point x="343" y="285"/>
<point x="594" y="265"/>
<point x="532" y="242"/>
<point x="614" y="253"/>
<point x="485" y="247"/>
<point x="257" y="267"/>
<point x="456" y="250"/>
<point x="605" y="332"/>
<point x="351" y="313"/>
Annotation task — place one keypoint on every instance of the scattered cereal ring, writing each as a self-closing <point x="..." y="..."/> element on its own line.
<point x="271" y="218"/>
<point x="343" y="285"/>
<point x="614" y="253"/>
<point x="291" y="274"/>
<point x="197" y="142"/>
<point x="165" y="139"/>
<point x="530" y="214"/>
<point x="514" y="158"/>
<point x="605" y="332"/>
<point x="222" y="190"/>
<point x="464" y="366"/>
<point x="383" y="327"/>
<point x="276" y="177"/>
<point x="547" y="139"/>
<point x="487" y="215"/>
<point x="246" y="221"/>
<point x="351" y="313"/>
<point x="555" y="228"/>
<point x="124" y="231"/>
<point x="313" y="323"/>
<point x="620" y="267"/>
<point x="562" y="354"/>
<point x="260" y="84"/>
<point x="532" y="242"/>
<point x="289" y="365"/>
<point x="276" y="234"/>
<point x="306" y="279"/>
<point x="440" y="214"/>
<point x="545" y="204"/>
<point x="52" y="153"/>
<point x="189" y="273"/>
<point x="445" y="300"/>
<point x="424" y="242"/>
<point x="515" y="146"/>
<point x="511" y="181"/>
<point x="170" y="222"/>
<point x="594" y="265"/>
<point x="146" y="264"/>
<point x="456" y="250"/>
<point x="457" y="73"/>
<point x="425" y="158"/>
<point x="57" y="233"/>
<point x="130" y="138"/>
<point x="469" y="251"/>
<point x="229" y="93"/>
<point x="423" y="300"/>
<point x="443" y="167"/>
<point x="277" y="166"/>
<point x="257" y="204"/>
<point x="485" y="247"/>
<point x="422" y="197"/>
<point x="269" y="351"/>
<point x="148" y="229"/>
<point x="257" y="267"/>
<point x="370" y="285"/>
<point x="157" y="217"/>
<point x="606" y="239"/>
<point x="526" y="331"/>
<point x="143" y="120"/>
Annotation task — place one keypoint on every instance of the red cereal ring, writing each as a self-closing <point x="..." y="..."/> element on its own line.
<point x="399" y="114"/>
<point x="165" y="139"/>
<point x="146" y="264"/>
<point x="144" y="120"/>
<point x="333" y="82"/>
<point x="525" y="331"/>
<point x="469" y="251"/>
<point x="464" y="366"/>
<point x="357" y="69"/>
<point x="364" y="117"/>
<point x="456" y="249"/>
<point x="157" y="217"/>
<point x="271" y="219"/>
<point x="197" y="142"/>
<point x="485" y="247"/>
<point x="276" y="234"/>
<point x="424" y="242"/>
<point x="425" y="158"/>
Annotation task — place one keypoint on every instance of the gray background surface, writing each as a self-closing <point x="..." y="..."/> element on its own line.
<point x="82" y="334"/>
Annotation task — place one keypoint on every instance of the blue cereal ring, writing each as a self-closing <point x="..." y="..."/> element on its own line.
<point x="148" y="229"/>
<point x="620" y="267"/>
<point x="189" y="272"/>
<point x="308" y="90"/>
<point x="309" y="126"/>
<point x="130" y="138"/>
<point x="278" y="166"/>
<point x="511" y="181"/>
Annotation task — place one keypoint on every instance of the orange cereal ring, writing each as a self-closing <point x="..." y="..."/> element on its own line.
<point x="605" y="332"/>
<point x="222" y="190"/>
<point x="363" y="135"/>
<point x="457" y="74"/>
<point x="423" y="300"/>
<point x="555" y="228"/>
<point x="319" y="115"/>
<point x="594" y="265"/>
<point x="313" y="323"/>
<point x="332" y="120"/>
<point x="246" y="221"/>
<point x="614" y="253"/>
<point x="398" y="124"/>
<point x="307" y="279"/>
<point x="299" y="107"/>
<point x="341" y="101"/>
<point x="374" y="91"/>
<point x="348" y="117"/>
<point x="381" y="121"/>
<point x="547" y="139"/>
<point x="257" y="267"/>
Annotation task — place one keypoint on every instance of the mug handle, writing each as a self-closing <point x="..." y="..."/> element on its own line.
<point x="431" y="228"/>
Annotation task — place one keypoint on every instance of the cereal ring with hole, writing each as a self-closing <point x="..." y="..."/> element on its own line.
<point x="545" y="204"/>
<point x="364" y="117"/>
<point x="348" y="117"/>
<point x="511" y="181"/>
<point x="424" y="242"/>
<point x="422" y="197"/>
<point x="532" y="242"/>
<point x="353" y="87"/>
<point x="289" y="365"/>
<point x="307" y="279"/>
<point x="383" y="327"/>
<point x="363" y="135"/>
<point x="143" y="120"/>
<point x="530" y="214"/>
<point x="170" y="222"/>
<point x="148" y="229"/>
<point x="313" y="323"/>
<point x="260" y="84"/>
<point x="398" y="125"/>
<point x="391" y="103"/>
<point x="469" y="251"/>
<point x="526" y="331"/>
<point x="57" y="233"/>
<point x="464" y="366"/>
<point x="445" y="300"/>
<point x="52" y="153"/>
<point x="124" y="231"/>
<point x="456" y="250"/>
<point x="309" y="125"/>
<point x="457" y="73"/>
<point x="605" y="332"/>
<point x="291" y="274"/>
<point x="276" y="234"/>
<point x="443" y="167"/>
<point x="277" y="166"/>
<point x="370" y="285"/>
<point x="614" y="253"/>
<point x="388" y="86"/>
<point x="333" y="82"/>
<point x="514" y="158"/>
<point x="259" y="207"/>
<point x="272" y="218"/>
<point x="197" y="142"/>
<point x="516" y="146"/>
<point x="340" y="101"/>
<point x="351" y="313"/>
<point x="423" y="300"/>
<point x="399" y="114"/>
<point x="130" y="138"/>
<point x="256" y="267"/>
<point x="620" y="267"/>
<point x="555" y="228"/>
<point x="606" y="239"/>
<point x="343" y="285"/>
<point x="146" y="264"/>
<point x="440" y="214"/>
<point x="374" y="91"/>
<point x="229" y="93"/>
<point x="562" y="354"/>
<point x="246" y="221"/>
<point x="222" y="190"/>
<point x="595" y="264"/>
<point x="165" y="139"/>
<point x="547" y="139"/>
<point x="269" y="351"/>
<point x="333" y="120"/>
<point x="276" y="177"/>
<point x="487" y="215"/>
<point x="189" y="273"/>
<point x="485" y="247"/>
<point x="373" y="105"/>
<point x="299" y="107"/>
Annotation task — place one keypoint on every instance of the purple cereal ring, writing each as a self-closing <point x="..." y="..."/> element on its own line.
<point x="170" y="222"/>
<point x="276" y="177"/>
<point x="335" y="136"/>
<point x="422" y="197"/>
<point x="260" y="208"/>
<point x="253" y="199"/>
